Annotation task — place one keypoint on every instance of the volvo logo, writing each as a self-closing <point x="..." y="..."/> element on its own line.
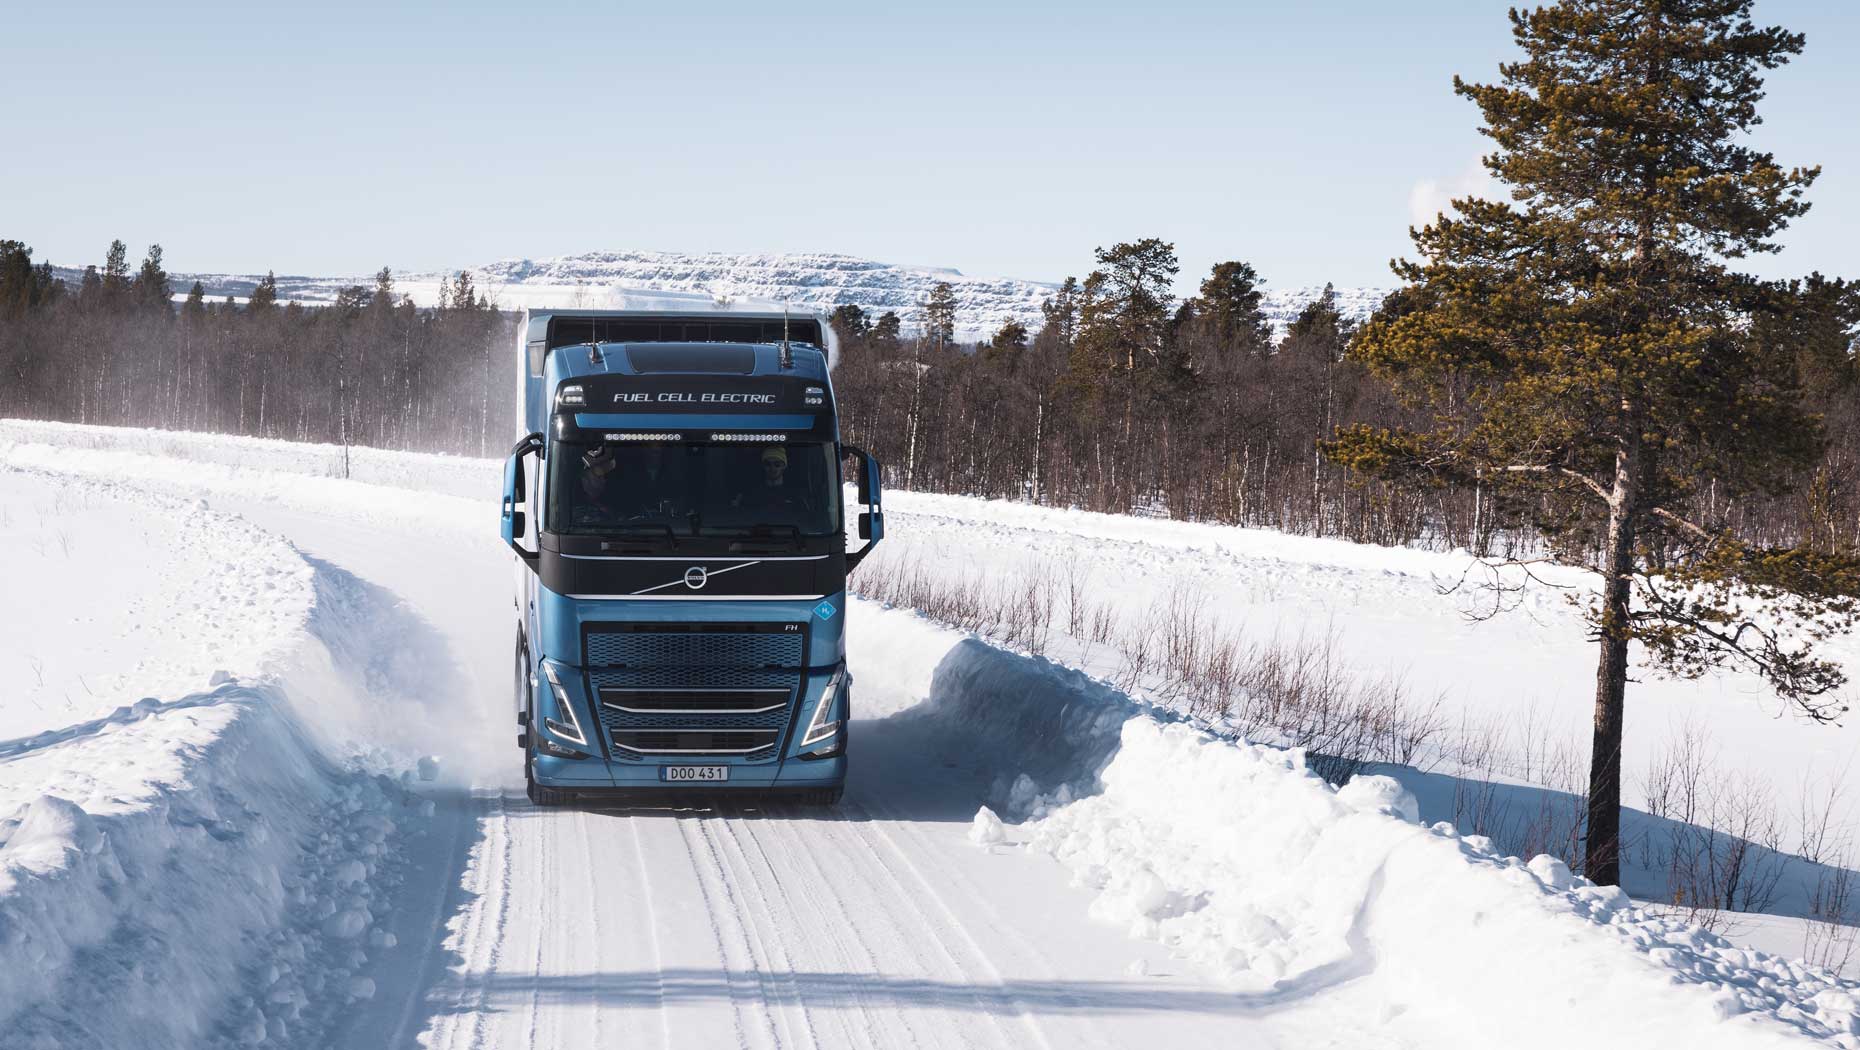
<point x="695" y="577"/>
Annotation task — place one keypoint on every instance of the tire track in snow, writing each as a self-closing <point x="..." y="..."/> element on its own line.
<point x="543" y="905"/>
<point x="881" y="822"/>
<point x="488" y="881"/>
<point x="596" y="940"/>
<point x="852" y="954"/>
<point x="652" y="932"/>
<point x="911" y="928"/>
<point x="932" y="932"/>
<point x="733" y="951"/>
<point x="768" y="943"/>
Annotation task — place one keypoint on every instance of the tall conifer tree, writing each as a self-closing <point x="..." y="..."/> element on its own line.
<point x="940" y="316"/>
<point x="1589" y="352"/>
<point x="1231" y="301"/>
<point x="150" y="288"/>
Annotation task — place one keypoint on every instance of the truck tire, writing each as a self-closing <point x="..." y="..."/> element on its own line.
<point x="539" y="795"/>
<point x="520" y="690"/>
<point x="823" y="798"/>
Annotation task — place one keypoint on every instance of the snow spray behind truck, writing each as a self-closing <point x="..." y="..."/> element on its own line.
<point x="675" y="506"/>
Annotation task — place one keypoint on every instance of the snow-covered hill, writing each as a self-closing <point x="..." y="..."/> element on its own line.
<point x="811" y="280"/>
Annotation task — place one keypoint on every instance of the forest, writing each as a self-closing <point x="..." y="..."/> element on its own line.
<point x="1127" y="399"/>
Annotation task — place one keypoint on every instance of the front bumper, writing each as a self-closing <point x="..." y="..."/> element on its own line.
<point x="609" y="770"/>
<point x="595" y="778"/>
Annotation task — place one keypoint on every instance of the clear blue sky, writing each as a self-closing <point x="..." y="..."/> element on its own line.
<point x="1002" y="139"/>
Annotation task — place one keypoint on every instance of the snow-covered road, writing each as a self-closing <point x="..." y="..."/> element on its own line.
<point x="248" y="858"/>
<point x="880" y="925"/>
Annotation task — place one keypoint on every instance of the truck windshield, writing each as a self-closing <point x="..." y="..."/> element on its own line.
<point x="643" y="488"/>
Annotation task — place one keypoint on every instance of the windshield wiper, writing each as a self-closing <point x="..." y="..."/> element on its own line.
<point x="671" y="537"/>
<point x="790" y="537"/>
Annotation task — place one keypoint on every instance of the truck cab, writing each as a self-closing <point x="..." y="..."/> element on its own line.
<point x="677" y="513"/>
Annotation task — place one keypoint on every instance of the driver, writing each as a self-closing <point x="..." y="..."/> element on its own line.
<point x="598" y="484"/>
<point x="645" y="488"/>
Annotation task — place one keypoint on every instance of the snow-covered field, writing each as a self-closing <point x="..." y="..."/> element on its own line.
<point x="256" y="787"/>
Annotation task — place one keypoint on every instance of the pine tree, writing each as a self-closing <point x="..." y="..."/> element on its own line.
<point x="1126" y="305"/>
<point x="1320" y="330"/>
<point x="19" y="290"/>
<point x="849" y="322"/>
<point x="887" y="332"/>
<point x="1008" y="343"/>
<point x="1061" y="313"/>
<point x="150" y="288"/>
<point x="463" y="295"/>
<point x="48" y="285"/>
<point x="1589" y="354"/>
<point x="265" y="295"/>
<point x="1820" y="323"/>
<point x="939" y="312"/>
<point x="1231" y="302"/>
<point x="116" y="274"/>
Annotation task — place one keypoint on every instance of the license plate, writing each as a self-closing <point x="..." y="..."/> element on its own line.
<point x="704" y="774"/>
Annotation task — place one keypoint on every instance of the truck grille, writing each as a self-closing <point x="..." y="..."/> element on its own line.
<point x="646" y="701"/>
<point x="693" y="648"/>
<point x="696" y="741"/>
<point x="695" y="689"/>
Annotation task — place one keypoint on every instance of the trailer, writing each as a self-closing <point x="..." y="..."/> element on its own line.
<point x="675" y="508"/>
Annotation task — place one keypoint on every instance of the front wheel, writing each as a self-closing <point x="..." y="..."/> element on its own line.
<point x="539" y="795"/>
<point x="824" y="798"/>
<point x="526" y="708"/>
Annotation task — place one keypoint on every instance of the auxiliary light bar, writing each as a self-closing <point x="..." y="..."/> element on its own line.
<point x="758" y="438"/>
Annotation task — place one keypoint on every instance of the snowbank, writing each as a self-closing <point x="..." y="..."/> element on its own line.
<point x="398" y="490"/>
<point x="447" y="475"/>
<point x="1241" y="860"/>
<point x="191" y="868"/>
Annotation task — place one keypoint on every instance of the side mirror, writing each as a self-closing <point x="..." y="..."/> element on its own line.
<point x="872" y="521"/>
<point x="513" y="521"/>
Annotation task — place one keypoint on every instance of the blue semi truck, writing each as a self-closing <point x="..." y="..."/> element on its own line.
<point x="675" y="508"/>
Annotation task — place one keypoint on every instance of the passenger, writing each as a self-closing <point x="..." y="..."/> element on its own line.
<point x="774" y="493"/>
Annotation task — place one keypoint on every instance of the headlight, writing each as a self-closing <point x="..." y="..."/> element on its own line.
<point x="822" y="727"/>
<point x="569" y="730"/>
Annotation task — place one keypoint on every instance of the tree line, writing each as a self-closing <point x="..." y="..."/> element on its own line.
<point x="1129" y="400"/>
<point x="1126" y="399"/>
<point x="371" y="368"/>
